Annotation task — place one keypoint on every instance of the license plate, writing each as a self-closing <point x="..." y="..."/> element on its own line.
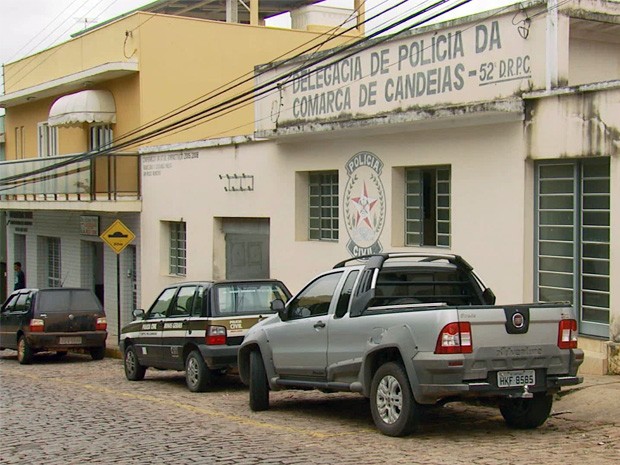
<point x="69" y="340"/>
<point x="515" y="378"/>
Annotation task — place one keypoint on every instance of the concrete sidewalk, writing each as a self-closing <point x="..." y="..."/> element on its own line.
<point x="596" y="399"/>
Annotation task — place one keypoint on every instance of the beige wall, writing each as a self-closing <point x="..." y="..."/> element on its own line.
<point x="593" y="61"/>
<point x="487" y="206"/>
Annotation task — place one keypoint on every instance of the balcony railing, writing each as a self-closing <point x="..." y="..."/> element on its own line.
<point x="109" y="177"/>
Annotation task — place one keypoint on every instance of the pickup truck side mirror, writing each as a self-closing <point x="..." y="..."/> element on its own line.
<point x="138" y="313"/>
<point x="488" y="296"/>
<point x="279" y="307"/>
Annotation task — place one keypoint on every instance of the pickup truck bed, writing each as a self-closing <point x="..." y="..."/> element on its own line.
<point x="412" y="329"/>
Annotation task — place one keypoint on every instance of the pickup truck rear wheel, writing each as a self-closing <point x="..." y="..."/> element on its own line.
<point x="394" y="410"/>
<point x="197" y="373"/>
<point x="259" y="387"/>
<point x="527" y="413"/>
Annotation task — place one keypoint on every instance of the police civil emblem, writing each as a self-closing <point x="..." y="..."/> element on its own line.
<point x="364" y="204"/>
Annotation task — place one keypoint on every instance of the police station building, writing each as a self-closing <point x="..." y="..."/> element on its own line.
<point x="495" y="137"/>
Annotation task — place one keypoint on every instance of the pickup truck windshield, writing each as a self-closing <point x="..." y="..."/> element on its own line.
<point x="246" y="298"/>
<point x="414" y="285"/>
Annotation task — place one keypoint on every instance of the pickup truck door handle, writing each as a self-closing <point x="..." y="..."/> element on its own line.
<point x="319" y="324"/>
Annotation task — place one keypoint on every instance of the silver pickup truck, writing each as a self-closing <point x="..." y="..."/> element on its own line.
<point x="408" y="330"/>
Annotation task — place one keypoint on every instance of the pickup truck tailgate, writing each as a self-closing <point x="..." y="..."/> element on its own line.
<point x="520" y="337"/>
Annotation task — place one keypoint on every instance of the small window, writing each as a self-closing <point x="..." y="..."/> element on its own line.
<point x="178" y="252"/>
<point x="100" y="137"/>
<point x="345" y="295"/>
<point x="160" y="306"/>
<point x="323" y="206"/>
<point x="246" y="298"/>
<point x="315" y="299"/>
<point x="427" y="207"/>
<point x="54" y="278"/>
<point x="48" y="140"/>
<point x="184" y="302"/>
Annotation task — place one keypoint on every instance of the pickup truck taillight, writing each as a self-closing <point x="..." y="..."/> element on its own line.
<point x="455" y="338"/>
<point x="216" y="336"/>
<point x="37" y="325"/>
<point x="567" y="334"/>
<point x="102" y="324"/>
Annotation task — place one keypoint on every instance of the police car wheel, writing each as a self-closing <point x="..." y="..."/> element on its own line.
<point x="133" y="370"/>
<point x="197" y="374"/>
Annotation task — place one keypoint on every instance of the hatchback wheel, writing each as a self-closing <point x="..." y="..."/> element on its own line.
<point x="24" y="352"/>
<point x="197" y="374"/>
<point x="97" y="353"/>
<point x="133" y="370"/>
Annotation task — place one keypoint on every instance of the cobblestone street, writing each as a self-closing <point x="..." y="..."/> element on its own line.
<point x="77" y="411"/>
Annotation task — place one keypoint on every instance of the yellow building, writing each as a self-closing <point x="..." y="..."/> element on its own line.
<point x="108" y="91"/>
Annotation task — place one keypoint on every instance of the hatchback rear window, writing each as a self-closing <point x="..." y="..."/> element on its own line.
<point x="62" y="300"/>
<point x="246" y="298"/>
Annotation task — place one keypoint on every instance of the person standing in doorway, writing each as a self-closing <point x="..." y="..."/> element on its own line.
<point x="20" y="277"/>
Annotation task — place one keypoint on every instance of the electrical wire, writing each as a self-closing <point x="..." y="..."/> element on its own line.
<point x="117" y="147"/>
<point x="228" y="105"/>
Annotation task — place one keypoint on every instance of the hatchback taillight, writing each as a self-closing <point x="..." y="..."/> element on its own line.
<point x="455" y="338"/>
<point x="37" y="325"/>
<point x="567" y="334"/>
<point x="102" y="324"/>
<point x="216" y="336"/>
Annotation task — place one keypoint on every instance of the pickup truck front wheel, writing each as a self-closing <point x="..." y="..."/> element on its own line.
<point x="394" y="410"/>
<point x="259" y="387"/>
<point x="526" y="413"/>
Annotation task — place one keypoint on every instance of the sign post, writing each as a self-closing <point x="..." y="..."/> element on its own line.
<point x="118" y="236"/>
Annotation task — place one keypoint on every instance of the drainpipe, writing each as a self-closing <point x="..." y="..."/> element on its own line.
<point x="552" y="65"/>
<point x="254" y="12"/>
<point x="360" y="7"/>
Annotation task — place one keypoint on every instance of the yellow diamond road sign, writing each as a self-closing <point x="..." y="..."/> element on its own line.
<point x="118" y="236"/>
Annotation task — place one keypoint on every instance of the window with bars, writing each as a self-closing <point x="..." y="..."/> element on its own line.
<point x="178" y="249"/>
<point x="573" y="239"/>
<point x="54" y="278"/>
<point x="323" y="206"/>
<point x="427" y="206"/>
<point x="100" y="137"/>
<point x="48" y="140"/>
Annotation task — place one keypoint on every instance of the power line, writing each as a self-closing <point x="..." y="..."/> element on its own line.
<point x="228" y="104"/>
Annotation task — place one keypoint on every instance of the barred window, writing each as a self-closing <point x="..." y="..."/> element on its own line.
<point x="100" y="137"/>
<point x="427" y="206"/>
<point x="48" y="140"/>
<point x="178" y="249"/>
<point x="54" y="278"/>
<point x="323" y="208"/>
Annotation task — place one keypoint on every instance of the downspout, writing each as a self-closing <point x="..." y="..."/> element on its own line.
<point x="552" y="65"/>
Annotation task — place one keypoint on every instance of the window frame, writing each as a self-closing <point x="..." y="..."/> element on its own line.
<point x="177" y="248"/>
<point x="47" y="140"/>
<point x="323" y="207"/>
<point x="54" y="262"/>
<point x="428" y="206"/>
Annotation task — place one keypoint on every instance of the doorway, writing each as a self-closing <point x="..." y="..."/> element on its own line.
<point x="247" y="248"/>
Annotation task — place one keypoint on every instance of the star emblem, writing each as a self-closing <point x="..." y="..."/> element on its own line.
<point x="364" y="205"/>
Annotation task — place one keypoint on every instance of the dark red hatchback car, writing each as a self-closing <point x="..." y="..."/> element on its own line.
<point x="55" y="319"/>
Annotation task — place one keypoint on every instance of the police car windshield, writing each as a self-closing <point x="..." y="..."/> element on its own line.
<point x="246" y="298"/>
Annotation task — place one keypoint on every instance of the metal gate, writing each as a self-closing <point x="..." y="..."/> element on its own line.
<point x="247" y="248"/>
